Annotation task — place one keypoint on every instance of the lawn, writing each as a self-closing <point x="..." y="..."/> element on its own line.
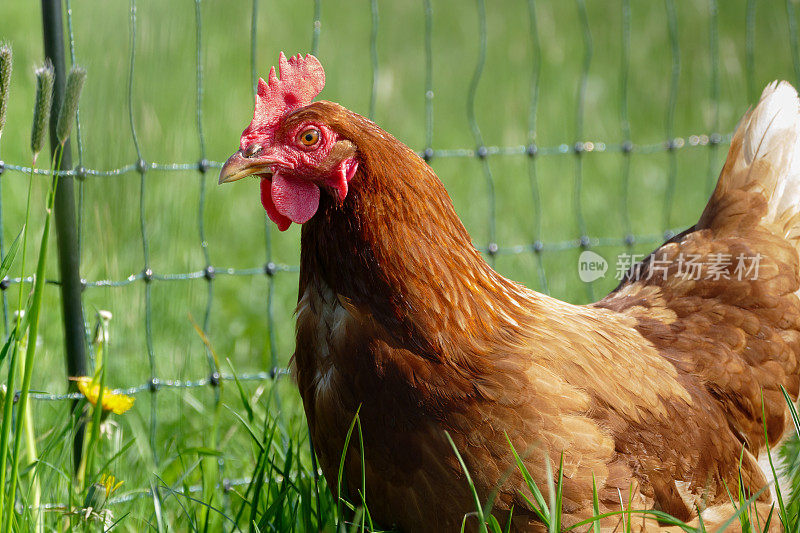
<point x="506" y="75"/>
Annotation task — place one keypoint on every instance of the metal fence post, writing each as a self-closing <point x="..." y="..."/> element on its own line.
<point x="66" y="227"/>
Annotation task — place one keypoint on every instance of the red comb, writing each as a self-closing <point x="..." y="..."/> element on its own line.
<point x="301" y="80"/>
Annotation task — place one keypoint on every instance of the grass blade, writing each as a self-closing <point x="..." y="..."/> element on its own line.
<point x="740" y="510"/>
<point x="792" y="410"/>
<point x="782" y="508"/>
<point x="510" y="518"/>
<point x="242" y="394"/>
<point x="247" y="427"/>
<point x="341" y="465"/>
<point x="8" y="260"/>
<point x="595" y="506"/>
<point x="476" y="498"/>
<point x="539" y="507"/>
<point x="556" y="513"/>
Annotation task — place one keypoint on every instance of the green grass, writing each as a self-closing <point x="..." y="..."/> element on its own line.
<point x="194" y="433"/>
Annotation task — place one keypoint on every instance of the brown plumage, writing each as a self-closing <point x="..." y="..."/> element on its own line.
<point x="655" y="391"/>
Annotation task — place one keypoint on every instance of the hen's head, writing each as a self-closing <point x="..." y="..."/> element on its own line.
<point x="294" y="153"/>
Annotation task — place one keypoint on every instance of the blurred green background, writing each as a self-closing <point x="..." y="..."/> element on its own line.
<point x="687" y="71"/>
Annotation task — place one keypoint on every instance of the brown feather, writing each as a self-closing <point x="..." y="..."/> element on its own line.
<point x="654" y="392"/>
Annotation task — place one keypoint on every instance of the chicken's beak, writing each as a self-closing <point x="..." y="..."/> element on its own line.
<point x="238" y="166"/>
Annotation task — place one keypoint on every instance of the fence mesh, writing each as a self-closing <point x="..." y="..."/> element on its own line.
<point x="274" y="272"/>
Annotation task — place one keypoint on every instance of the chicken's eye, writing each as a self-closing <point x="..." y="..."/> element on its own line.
<point x="309" y="137"/>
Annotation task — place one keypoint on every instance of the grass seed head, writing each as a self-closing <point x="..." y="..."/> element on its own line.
<point x="45" y="79"/>
<point x="6" y="64"/>
<point x="72" y="93"/>
<point x="101" y="327"/>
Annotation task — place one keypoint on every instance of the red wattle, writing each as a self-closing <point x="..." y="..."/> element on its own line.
<point x="295" y="198"/>
<point x="281" y="221"/>
<point x="339" y="182"/>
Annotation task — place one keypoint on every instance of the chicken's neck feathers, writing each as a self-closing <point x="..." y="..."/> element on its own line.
<point x="397" y="248"/>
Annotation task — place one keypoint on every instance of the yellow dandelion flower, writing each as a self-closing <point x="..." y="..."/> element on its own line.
<point x="112" y="401"/>
<point x="110" y="483"/>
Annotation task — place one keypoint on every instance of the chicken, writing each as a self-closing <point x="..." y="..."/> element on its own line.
<point x="655" y="392"/>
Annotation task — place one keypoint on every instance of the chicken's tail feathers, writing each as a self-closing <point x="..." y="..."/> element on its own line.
<point x="764" y="158"/>
<point x="754" y="216"/>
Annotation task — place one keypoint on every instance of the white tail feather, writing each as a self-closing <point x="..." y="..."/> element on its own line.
<point x="772" y="133"/>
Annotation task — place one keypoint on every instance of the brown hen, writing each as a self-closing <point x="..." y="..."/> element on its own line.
<point x="655" y="392"/>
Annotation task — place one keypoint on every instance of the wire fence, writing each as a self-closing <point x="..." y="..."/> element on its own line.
<point x="576" y="148"/>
